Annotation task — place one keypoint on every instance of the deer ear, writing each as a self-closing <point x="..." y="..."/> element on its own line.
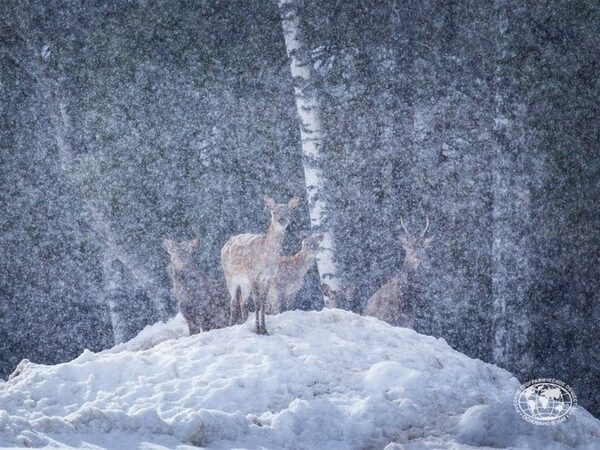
<point x="193" y="243"/>
<point x="320" y="237"/>
<point x="293" y="203"/>
<point x="428" y="241"/>
<point x="269" y="202"/>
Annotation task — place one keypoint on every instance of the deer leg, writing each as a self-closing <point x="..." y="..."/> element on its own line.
<point x="206" y="322"/>
<point x="193" y="326"/>
<point x="257" y="327"/>
<point x="243" y="305"/>
<point x="234" y="306"/>
<point x="232" y="312"/>
<point x="272" y="306"/>
<point x="256" y="298"/>
<point x="263" y="299"/>
<point x="244" y="312"/>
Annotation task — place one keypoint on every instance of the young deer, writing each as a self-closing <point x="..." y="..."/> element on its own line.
<point x="388" y="303"/>
<point x="200" y="300"/>
<point x="250" y="262"/>
<point x="290" y="275"/>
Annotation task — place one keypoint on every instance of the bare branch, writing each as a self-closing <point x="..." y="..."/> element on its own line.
<point x="426" y="227"/>
<point x="51" y="91"/>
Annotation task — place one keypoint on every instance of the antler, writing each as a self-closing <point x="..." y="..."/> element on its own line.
<point x="426" y="227"/>
<point x="408" y="232"/>
<point x="404" y="227"/>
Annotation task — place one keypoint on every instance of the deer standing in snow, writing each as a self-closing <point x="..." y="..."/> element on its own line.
<point x="250" y="263"/>
<point x="200" y="300"/>
<point x="289" y="278"/>
<point x="342" y="298"/>
<point x="388" y="303"/>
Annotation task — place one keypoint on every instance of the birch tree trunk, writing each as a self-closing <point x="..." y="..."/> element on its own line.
<point x="311" y="135"/>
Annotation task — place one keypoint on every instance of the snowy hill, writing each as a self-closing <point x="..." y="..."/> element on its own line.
<point x="323" y="380"/>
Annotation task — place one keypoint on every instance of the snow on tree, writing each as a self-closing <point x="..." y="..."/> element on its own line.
<point x="311" y="136"/>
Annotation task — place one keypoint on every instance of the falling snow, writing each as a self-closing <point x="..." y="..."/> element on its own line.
<point x="445" y="155"/>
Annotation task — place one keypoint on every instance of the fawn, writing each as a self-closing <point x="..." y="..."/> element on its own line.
<point x="250" y="262"/>
<point x="290" y="275"/>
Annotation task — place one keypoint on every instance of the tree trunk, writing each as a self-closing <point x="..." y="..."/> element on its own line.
<point x="59" y="117"/>
<point x="311" y="135"/>
<point x="156" y="293"/>
<point x="113" y="285"/>
<point x="512" y="169"/>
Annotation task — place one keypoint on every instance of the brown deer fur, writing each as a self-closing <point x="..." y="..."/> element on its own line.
<point x="388" y="302"/>
<point x="202" y="302"/>
<point x="250" y="262"/>
<point x="290" y="275"/>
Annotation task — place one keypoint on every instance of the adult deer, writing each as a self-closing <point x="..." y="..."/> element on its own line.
<point x="289" y="278"/>
<point x="200" y="300"/>
<point x="389" y="302"/>
<point x="250" y="263"/>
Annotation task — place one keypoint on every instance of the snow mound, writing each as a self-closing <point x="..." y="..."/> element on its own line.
<point x="175" y="328"/>
<point x="322" y="380"/>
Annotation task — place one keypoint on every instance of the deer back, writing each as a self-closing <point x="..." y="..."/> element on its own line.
<point x="386" y="303"/>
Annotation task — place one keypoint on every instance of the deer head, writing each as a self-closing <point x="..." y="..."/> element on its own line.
<point x="181" y="253"/>
<point x="310" y="244"/>
<point x="414" y="246"/>
<point x="281" y="214"/>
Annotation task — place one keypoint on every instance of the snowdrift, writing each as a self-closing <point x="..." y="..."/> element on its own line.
<point x="321" y="380"/>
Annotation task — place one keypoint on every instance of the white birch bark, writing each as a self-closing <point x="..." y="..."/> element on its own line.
<point x="311" y="135"/>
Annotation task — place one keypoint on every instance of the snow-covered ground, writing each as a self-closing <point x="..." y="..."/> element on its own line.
<point x="320" y="380"/>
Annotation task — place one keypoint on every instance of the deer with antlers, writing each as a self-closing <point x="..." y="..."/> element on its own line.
<point x="291" y="271"/>
<point x="250" y="263"/>
<point x="389" y="303"/>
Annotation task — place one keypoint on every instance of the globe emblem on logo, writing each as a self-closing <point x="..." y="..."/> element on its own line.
<point x="545" y="401"/>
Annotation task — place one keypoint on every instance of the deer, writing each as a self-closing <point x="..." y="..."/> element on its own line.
<point x="289" y="278"/>
<point x="341" y="298"/>
<point x="201" y="301"/>
<point x="388" y="303"/>
<point x="250" y="262"/>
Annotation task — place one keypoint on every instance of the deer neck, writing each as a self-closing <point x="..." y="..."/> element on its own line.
<point x="302" y="260"/>
<point x="274" y="240"/>
<point x="179" y="264"/>
<point x="402" y="278"/>
<point x="408" y="268"/>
